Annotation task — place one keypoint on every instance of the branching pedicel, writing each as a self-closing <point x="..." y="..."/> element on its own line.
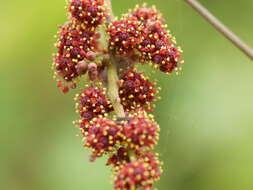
<point x="115" y="107"/>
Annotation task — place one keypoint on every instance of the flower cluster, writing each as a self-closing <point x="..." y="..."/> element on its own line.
<point x="92" y="103"/>
<point x="141" y="131"/>
<point x="143" y="31"/>
<point x="74" y="45"/>
<point x="135" y="90"/>
<point x="125" y="35"/>
<point x="79" y="42"/>
<point x="90" y="13"/>
<point x="102" y="136"/>
<point x="141" y="172"/>
<point x="114" y="107"/>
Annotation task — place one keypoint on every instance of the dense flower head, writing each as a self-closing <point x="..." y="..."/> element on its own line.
<point x="124" y="35"/>
<point x="154" y="163"/>
<point x="141" y="132"/>
<point x="158" y="49"/>
<point x="141" y="172"/>
<point x="74" y="45"/>
<point x="143" y="32"/>
<point x="92" y="102"/>
<point x="135" y="90"/>
<point x="90" y="13"/>
<point x="157" y="45"/>
<point x="102" y="136"/>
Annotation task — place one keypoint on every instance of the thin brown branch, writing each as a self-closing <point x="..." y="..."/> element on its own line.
<point x="221" y="28"/>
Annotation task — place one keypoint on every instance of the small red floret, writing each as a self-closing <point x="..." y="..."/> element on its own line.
<point x="59" y="84"/>
<point x="65" y="89"/>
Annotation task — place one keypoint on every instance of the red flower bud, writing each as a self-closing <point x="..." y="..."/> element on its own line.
<point x="65" y="89"/>
<point x="59" y="84"/>
<point x="73" y="85"/>
<point x="81" y="67"/>
<point x="93" y="71"/>
<point x="91" y="55"/>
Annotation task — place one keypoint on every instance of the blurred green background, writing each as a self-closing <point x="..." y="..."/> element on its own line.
<point x="206" y="114"/>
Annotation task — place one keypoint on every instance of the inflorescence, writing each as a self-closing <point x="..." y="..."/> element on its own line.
<point x="88" y="44"/>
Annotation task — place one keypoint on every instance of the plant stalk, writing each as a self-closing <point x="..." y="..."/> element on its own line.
<point x="113" y="88"/>
<point x="221" y="28"/>
<point x="113" y="80"/>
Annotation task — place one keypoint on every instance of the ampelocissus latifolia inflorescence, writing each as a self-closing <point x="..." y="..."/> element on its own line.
<point x="115" y="105"/>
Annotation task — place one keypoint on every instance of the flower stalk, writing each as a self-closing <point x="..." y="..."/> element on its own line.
<point x="113" y="82"/>
<point x="113" y="79"/>
<point x="113" y="88"/>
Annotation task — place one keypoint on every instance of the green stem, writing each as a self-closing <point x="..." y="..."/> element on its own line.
<point x="113" y="88"/>
<point x="113" y="79"/>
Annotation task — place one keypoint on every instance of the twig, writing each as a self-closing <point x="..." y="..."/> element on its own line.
<point x="221" y="28"/>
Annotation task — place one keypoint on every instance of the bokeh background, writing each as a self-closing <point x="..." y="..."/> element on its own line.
<point x="206" y="114"/>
